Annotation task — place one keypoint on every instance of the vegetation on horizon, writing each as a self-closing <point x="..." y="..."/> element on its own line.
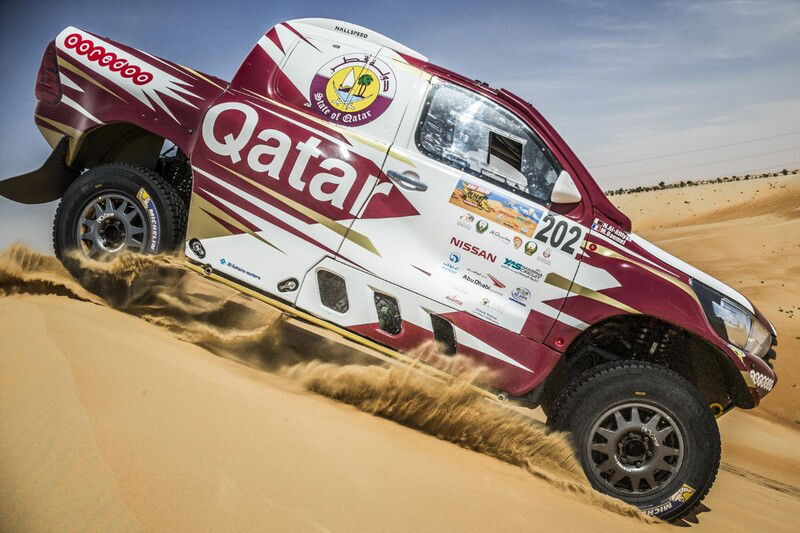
<point x="691" y="183"/>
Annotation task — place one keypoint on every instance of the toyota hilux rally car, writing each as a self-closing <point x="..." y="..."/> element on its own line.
<point x="347" y="180"/>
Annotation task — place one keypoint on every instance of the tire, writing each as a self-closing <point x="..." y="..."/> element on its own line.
<point x="115" y="208"/>
<point x="673" y="417"/>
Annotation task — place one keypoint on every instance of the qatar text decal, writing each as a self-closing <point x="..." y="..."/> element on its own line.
<point x="353" y="89"/>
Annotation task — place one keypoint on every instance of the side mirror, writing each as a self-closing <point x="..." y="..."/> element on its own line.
<point x="564" y="190"/>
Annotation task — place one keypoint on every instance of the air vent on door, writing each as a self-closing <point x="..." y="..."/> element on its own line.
<point x="444" y="335"/>
<point x="388" y="313"/>
<point x="332" y="291"/>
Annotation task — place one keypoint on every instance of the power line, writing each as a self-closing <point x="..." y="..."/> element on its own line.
<point x="694" y="151"/>
<point x="665" y="170"/>
<point x="790" y="164"/>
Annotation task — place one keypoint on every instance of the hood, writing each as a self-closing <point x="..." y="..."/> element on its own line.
<point x="702" y="277"/>
<point x="693" y="272"/>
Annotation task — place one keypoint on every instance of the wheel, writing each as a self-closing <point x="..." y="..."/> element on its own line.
<point x="115" y="208"/>
<point x="643" y="434"/>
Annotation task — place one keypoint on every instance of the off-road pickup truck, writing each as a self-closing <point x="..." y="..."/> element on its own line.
<point x="343" y="177"/>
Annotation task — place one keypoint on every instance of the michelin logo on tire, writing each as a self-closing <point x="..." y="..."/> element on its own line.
<point x="152" y="220"/>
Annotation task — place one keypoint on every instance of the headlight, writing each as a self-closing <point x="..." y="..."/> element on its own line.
<point x="732" y="322"/>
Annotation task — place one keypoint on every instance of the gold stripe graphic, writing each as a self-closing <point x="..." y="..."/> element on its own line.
<point x="351" y="235"/>
<point x="199" y="75"/>
<point x="608" y="252"/>
<point x="69" y="130"/>
<point x="51" y="136"/>
<point x="72" y="68"/>
<point x="204" y="204"/>
<point x="561" y="282"/>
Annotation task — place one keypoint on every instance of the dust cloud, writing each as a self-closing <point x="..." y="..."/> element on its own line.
<point x="160" y="290"/>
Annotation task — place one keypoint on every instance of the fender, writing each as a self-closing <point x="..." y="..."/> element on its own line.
<point x="628" y="276"/>
<point x="116" y="103"/>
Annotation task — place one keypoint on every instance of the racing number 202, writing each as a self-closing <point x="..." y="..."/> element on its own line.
<point x="560" y="230"/>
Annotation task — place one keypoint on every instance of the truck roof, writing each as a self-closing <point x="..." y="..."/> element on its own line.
<point x="340" y="30"/>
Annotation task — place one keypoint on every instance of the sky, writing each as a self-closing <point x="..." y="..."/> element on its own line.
<point x="642" y="91"/>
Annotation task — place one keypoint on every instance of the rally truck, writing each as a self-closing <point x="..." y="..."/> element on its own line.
<point x="347" y="180"/>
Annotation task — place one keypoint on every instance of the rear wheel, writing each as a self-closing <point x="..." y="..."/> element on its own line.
<point x="116" y="208"/>
<point x="643" y="434"/>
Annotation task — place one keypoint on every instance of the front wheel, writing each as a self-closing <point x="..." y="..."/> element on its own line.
<point x="115" y="208"/>
<point x="643" y="434"/>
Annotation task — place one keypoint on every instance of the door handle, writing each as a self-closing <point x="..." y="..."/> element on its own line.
<point x="407" y="180"/>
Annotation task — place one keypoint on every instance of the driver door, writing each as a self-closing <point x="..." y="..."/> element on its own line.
<point x="485" y="240"/>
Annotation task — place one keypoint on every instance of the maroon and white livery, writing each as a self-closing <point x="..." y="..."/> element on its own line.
<point x="346" y="178"/>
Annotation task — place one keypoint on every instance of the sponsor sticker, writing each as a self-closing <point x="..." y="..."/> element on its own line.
<point x="353" y="89"/>
<point x="233" y="266"/>
<point x="471" y="248"/>
<point x="481" y="226"/>
<point x="520" y="296"/>
<point x="533" y="274"/>
<point x="488" y="310"/>
<point x="762" y="382"/>
<point x="452" y="263"/>
<point x="454" y="299"/>
<point x="500" y="236"/>
<point x="152" y="219"/>
<point x="496" y="207"/>
<point x="531" y="247"/>
<point x="517" y="242"/>
<point x="466" y="220"/>
<point x="544" y="257"/>
<point x="739" y="353"/>
<point x="612" y="232"/>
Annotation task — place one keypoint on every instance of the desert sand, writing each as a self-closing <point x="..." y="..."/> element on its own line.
<point x="117" y="411"/>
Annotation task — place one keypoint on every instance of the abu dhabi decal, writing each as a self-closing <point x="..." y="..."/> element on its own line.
<point x="496" y="207"/>
<point x="353" y="90"/>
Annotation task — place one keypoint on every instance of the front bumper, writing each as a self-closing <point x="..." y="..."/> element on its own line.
<point x="758" y="374"/>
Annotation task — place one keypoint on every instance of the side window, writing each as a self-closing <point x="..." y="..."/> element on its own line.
<point x="471" y="133"/>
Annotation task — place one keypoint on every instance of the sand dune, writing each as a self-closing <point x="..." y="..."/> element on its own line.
<point x="748" y="235"/>
<point x="116" y="411"/>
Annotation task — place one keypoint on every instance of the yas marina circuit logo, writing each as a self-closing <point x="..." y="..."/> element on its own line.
<point x="353" y="90"/>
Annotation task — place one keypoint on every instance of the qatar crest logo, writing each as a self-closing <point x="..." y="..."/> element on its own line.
<point x="353" y="90"/>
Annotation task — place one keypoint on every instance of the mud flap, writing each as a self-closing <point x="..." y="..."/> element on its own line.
<point x="44" y="185"/>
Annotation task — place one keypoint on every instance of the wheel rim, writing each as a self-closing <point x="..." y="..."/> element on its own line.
<point x="111" y="223"/>
<point x="635" y="449"/>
